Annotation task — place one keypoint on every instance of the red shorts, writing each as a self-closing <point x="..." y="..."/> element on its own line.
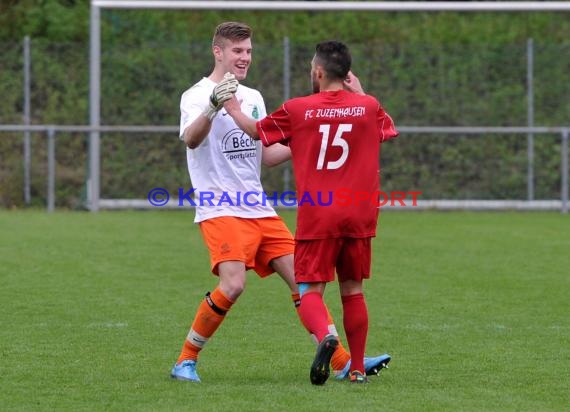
<point x="255" y="242"/>
<point x="316" y="260"/>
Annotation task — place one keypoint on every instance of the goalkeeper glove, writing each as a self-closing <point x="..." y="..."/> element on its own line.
<point x="223" y="91"/>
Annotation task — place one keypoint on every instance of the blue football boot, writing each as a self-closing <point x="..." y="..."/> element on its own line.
<point x="372" y="366"/>
<point x="185" y="371"/>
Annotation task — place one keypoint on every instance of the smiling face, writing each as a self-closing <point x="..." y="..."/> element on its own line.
<point x="234" y="57"/>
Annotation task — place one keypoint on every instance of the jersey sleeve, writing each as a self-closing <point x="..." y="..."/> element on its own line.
<point x="275" y="128"/>
<point x="385" y="125"/>
<point x="192" y="103"/>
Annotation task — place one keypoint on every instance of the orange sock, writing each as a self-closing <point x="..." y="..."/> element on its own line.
<point x="209" y="316"/>
<point x="340" y="356"/>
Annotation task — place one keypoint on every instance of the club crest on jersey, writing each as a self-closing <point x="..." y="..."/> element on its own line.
<point x="255" y="113"/>
<point x="238" y="145"/>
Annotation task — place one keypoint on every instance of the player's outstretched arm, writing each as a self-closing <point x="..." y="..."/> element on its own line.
<point x="233" y="107"/>
<point x="275" y="154"/>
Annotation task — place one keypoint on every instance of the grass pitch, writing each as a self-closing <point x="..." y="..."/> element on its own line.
<point x="473" y="307"/>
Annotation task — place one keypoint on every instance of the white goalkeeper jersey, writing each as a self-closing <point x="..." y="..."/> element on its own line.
<point x="225" y="169"/>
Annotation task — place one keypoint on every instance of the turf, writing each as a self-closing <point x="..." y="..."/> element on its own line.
<point x="94" y="308"/>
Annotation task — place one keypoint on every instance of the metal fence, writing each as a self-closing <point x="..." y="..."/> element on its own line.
<point x="46" y="84"/>
<point x="95" y="203"/>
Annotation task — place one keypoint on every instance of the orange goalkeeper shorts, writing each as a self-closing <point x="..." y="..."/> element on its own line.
<point x="255" y="242"/>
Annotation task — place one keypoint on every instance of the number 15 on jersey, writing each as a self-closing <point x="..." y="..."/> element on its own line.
<point x="325" y="130"/>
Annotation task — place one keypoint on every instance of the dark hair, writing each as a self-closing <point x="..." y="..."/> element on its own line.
<point x="335" y="58"/>
<point x="231" y="30"/>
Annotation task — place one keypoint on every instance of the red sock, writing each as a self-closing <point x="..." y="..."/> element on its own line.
<point x="356" y="328"/>
<point x="313" y="314"/>
<point x="340" y="356"/>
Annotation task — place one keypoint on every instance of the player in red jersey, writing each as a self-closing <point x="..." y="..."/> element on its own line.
<point x="334" y="136"/>
<point x="241" y="235"/>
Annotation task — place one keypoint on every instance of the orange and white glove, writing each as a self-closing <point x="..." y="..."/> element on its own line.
<point x="223" y="91"/>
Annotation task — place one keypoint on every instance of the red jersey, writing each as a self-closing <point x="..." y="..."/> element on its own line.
<point x="335" y="144"/>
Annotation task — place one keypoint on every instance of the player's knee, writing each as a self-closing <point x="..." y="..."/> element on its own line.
<point x="237" y="289"/>
<point x="233" y="288"/>
<point x="350" y="287"/>
<point x="232" y="278"/>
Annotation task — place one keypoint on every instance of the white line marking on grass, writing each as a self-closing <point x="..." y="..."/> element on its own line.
<point x="109" y="325"/>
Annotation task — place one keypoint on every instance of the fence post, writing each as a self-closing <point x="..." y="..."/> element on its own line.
<point x="530" y="117"/>
<point x="51" y="170"/>
<point x="93" y="185"/>
<point x="286" y="68"/>
<point x="27" y="121"/>
<point x="564" y="171"/>
<point x="286" y="95"/>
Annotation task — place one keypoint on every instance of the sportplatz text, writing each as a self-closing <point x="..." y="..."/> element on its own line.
<point x="341" y="197"/>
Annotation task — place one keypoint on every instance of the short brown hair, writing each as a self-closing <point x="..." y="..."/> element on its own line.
<point x="231" y="30"/>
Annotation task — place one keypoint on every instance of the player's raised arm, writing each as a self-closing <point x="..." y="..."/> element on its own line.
<point x="233" y="107"/>
<point x="197" y="131"/>
<point x="352" y="83"/>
